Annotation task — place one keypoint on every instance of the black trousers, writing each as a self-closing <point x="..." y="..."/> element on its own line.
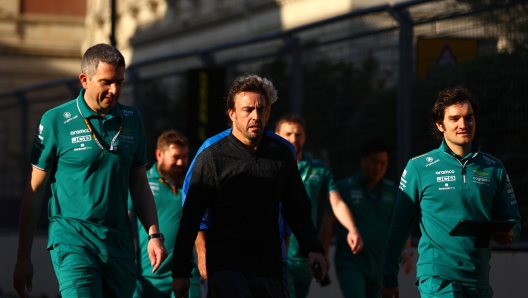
<point x="236" y="284"/>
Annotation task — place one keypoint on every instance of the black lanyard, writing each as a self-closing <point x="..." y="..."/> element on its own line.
<point x="89" y="126"/>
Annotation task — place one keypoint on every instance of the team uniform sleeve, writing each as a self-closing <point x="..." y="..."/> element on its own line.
<point x="297" y="210"/>
<point x="329" y="182"/>
<point x="44" y="152"/>
<point x="404" y="214"/>
<point x="202" y="189"/>
<point x="140" y="157"/>
<point x="505" y="204"/>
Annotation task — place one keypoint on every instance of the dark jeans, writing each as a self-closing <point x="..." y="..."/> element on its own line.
<point x="236" y="284"/>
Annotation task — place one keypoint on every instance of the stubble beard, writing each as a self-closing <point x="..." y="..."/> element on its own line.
<point x="253" y="137"/>
<point x="174" y="179"/>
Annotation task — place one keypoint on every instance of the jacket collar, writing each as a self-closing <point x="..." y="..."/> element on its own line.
<point x="475" y="149"/>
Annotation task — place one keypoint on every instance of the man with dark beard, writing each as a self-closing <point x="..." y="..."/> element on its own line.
<point x="165" y="178"/>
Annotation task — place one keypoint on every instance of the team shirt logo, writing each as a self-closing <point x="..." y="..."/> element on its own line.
<point x="127" y="113"/>
<point x="480" y="177"/>
<point x="445" y="178"/>
<point x="83" y="147"/>
<point x="80" y="131"/>
<point x="70" y="119"/>
<point x="403" y="182"/>
<point x="431" y="161"/>
<point x="445" y="172"/>
<point x="488" y="160"/>
<point x="81" y="139"/>
<point x="356" y="196"/>
<point x="38" y="137"/>
<point x="126" y="138"/>
<point x="446" y="187"/>
<point x="66" y="115"/>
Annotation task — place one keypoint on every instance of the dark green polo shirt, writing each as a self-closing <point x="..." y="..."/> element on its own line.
<point x="169" y="206"/>
<point x="318" y="181"/>
<point x="372" y="211"/>
<point x="90" y="185"/>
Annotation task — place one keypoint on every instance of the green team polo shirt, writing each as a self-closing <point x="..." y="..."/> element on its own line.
<point x="318" y="180"/>
<point x="439" y="189"/>
<point x="372" y="209"/>
<point x="89" y="185"/>
<point x="169" y="207"/>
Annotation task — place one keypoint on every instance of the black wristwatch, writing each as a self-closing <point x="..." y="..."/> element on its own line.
<point x="157" y="235"/>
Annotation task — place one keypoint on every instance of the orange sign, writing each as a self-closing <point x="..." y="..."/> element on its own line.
<point x="443" y="51"/>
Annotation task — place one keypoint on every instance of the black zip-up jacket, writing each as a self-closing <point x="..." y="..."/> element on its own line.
<point x="243" y="192"/>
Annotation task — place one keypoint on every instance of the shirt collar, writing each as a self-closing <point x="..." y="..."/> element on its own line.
<point x="241" y="145"/>
<point x="153" y="172"/>
<point x="363" y="181"/>
<point x="475" y="149"/>
<point x="89" y="113"/>
<point x="305" y="160"/>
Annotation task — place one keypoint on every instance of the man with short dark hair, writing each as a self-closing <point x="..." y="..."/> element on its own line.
<point x="242" y="178"/>
<point x="371" y="198"/>
<point x="442" y="187"/>
<point x="165" y="178"/>
<point x="91" y="150"/>
<point x="319" y="183"/>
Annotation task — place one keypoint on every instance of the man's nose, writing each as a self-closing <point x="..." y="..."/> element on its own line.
<point x="255" y="114"/>
<point x="113" y="88"/>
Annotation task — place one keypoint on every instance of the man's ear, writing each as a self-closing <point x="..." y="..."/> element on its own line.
<point x="84" y="80"/>
<point x="231" y="113"/>
<point x="158" y="154"/>
<point x="440" y="127"/>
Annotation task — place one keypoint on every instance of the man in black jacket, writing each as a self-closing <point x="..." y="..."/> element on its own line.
<point x="242" y="178"/>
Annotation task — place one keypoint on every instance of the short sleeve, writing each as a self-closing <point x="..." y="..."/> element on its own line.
<point x="328" y="182"/>
<point x="44" y="151"/>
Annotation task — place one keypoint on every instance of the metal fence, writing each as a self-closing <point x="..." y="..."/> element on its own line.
<point x="362" y="74"/>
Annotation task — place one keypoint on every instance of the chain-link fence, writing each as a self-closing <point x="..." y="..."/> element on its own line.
<point x="370" y="72"/>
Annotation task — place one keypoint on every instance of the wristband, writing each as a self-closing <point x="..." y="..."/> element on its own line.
<point x="157" y="235"/>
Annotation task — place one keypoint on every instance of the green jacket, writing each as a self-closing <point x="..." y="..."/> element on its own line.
<point x="439" y="189"/>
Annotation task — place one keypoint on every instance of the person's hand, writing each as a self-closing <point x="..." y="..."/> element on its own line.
<point x="23" y="276"/>
<point x="319" y="258"/>
<point x="156" y="252"/>
<point x="390" y="292"/>
<point x="355" y="241"/>
<point x="201" y="266"/>
<point x="180" y="287"/>
<point x="503" y="238"/>
<point x="407" y="262"/>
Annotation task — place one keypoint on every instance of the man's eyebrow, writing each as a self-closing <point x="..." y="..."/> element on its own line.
<point x="245" y="107"/>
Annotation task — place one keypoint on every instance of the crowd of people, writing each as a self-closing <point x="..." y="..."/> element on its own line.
<point x="242" y="216"/>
